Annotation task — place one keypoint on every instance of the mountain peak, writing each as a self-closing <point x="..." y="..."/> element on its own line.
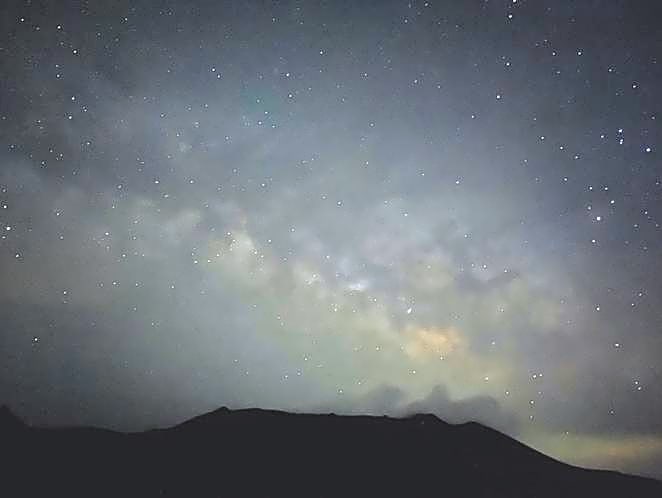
<point x="254" y="452"/>
<point x="8" y="419"/>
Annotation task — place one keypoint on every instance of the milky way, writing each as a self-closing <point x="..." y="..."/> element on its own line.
<point x="361" y="207"/>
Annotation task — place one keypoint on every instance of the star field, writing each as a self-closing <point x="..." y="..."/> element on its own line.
<point x="360" y="207"/>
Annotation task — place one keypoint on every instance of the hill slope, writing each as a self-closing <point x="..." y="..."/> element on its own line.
<point x="269" y="453"/>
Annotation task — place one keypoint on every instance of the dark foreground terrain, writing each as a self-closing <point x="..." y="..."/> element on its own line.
<point x="266" y="453"/>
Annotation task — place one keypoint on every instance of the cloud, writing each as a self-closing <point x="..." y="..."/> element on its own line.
<point x="432" y="342"/>
<point x="394" y="401"/>
<point x="483" y="409"/>
<point x="638" y="454"/>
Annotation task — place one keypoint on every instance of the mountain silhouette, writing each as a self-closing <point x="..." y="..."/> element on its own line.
<point x="265" y="453"/>
<point x="9" y="421"/>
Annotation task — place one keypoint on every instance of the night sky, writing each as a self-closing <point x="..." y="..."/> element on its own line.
<point x="375" y="207"/>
